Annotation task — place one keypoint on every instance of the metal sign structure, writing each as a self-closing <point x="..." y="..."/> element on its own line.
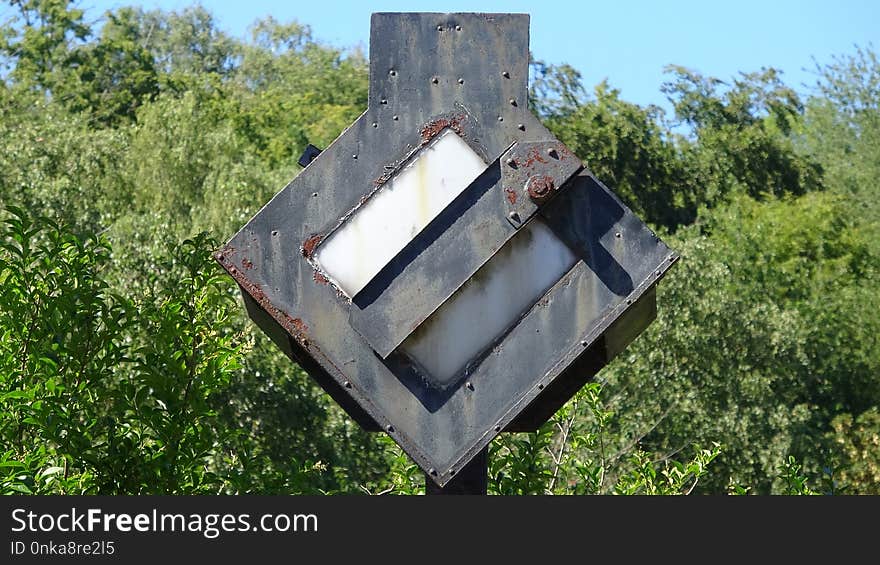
<point x="446" y="269"/>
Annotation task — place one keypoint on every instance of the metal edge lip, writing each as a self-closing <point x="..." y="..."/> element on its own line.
<point x="550" y="376"/>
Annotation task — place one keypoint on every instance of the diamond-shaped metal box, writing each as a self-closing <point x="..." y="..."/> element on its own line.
<point x="446" y="269"/>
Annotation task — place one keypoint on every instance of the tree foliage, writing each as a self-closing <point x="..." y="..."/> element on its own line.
<point x="129" y="147"/>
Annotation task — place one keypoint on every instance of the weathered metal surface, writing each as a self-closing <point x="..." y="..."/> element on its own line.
<point x="533" y="172"/>
<point x="470" y="231"/>
<point x="428" y="73"/>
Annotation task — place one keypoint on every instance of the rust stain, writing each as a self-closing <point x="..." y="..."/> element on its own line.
<point x="534" y="155"/>
<point x="309" y="245"/>
<point x="247" y="263"/>
<point x="320" y="278"/>
<point x="430" y="130"/>
<point x="294" y="326"/>
<point x="511" y="195"/>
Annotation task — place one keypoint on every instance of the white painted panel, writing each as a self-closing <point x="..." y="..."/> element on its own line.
<point x="490" y="302"/>
<point x="354" y="253"/>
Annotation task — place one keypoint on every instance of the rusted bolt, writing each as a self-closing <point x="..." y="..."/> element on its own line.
<point x="539" y="187"/>
<point x="435" y="80"/>
<point x="505" y="74"/>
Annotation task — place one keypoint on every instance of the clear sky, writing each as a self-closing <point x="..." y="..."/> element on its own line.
<point x="627" y="42"/>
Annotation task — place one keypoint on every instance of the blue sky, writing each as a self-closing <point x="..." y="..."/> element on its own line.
<point x="626" y="42"/>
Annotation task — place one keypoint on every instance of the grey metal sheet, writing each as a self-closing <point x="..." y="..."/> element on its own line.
<point x="271" y="257"/>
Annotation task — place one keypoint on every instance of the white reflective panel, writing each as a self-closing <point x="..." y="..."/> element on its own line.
<point x="489" y="303"/>
<point x="354" y="253"/>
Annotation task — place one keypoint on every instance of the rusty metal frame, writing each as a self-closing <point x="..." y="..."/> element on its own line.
<point x="468" y="73"/>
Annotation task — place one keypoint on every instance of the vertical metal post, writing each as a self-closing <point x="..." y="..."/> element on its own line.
<point x="472" y="479"/>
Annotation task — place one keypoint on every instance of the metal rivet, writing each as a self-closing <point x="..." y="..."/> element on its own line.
<point x="354" y="156"/>
<point x="657" y="272"/>
<point x="274" y="232"/>
<point x="452" y="471"/>
<point x="314" y="195"/>
<point x="497" y="428"/>
<point x="461" y="81"/>
<point x="512" y="101"/>
<point x="470" y="386"/>
<point x="383" y="101"/>
<point x="500" y="118"/>
<point x="457" y="28"/>
<point x="432" y="471"/>
<point x="511" y="162"/>
<point x="347" y="384"/>
<point x="521" y="127"/>
<point x="439" y="28"/>
<point x="584" y="343"/>
<point x="392" y="72"/>
<point x="552" y="152"/>
<point x="505" y="74"/>
<point x="629" y="301"/>
<point x="395" y="118"/>
<point x="435" y="80"/>
<point x="514" y="217"/>
<point x="541" y="386"/>
<point x="617" y="234"/>
<point x="375" y="124"/>
<point x="390" y="428"/>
